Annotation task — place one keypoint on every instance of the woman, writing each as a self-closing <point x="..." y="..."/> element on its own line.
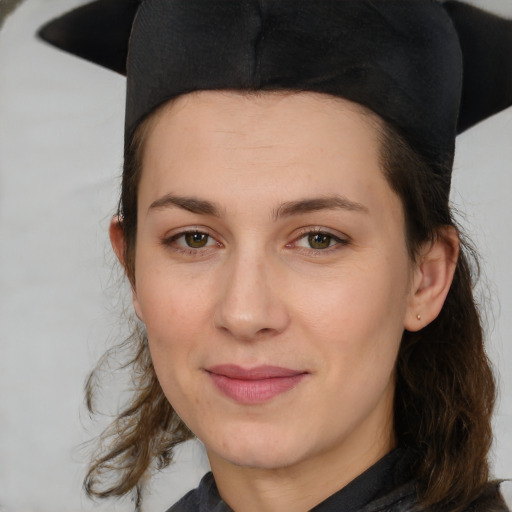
<point x="285" y="227"/>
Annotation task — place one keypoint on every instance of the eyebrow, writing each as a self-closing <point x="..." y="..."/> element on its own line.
<point x="191" y="204"/>
<point x="319" y="203"/>
<point x="204" y="207"/>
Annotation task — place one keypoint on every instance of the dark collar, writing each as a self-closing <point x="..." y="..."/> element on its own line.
<point x="389" y="474"/>
<point x="381" y="479"/>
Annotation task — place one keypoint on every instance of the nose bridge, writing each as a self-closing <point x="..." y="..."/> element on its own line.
<point x="249" y="305"/>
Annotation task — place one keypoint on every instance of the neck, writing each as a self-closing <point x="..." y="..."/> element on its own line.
<point x="298" y="487"/>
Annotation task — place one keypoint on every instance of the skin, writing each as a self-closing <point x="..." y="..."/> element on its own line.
<point x="258" y="294"/>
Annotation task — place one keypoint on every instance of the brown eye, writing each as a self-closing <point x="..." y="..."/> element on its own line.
<point x="196" y="240"/>
<point x="319" y="240"/>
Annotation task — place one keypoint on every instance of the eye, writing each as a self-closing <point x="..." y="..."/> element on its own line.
<point x="196" y="240"/>
<point x="318" y="241"/>
<point x="190" y="240"/>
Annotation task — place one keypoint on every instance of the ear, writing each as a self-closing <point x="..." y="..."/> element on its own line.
<point x="117" y="238"/>
<point x="432" y="278"/>
<point x="119" y="244"/>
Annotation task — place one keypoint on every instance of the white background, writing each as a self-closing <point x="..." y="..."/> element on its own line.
<point x="61" y="122"/>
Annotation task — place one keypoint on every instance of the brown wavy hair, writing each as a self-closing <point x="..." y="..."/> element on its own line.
<point x="445" y="390"/>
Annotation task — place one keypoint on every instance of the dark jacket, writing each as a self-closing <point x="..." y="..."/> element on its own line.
<point x="385" y="487"/>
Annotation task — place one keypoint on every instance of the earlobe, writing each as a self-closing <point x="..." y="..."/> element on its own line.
<point x="118" y="245"/>
<point x="432" y="279"/>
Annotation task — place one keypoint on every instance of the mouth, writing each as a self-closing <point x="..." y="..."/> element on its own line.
<point x="254" y="385"/>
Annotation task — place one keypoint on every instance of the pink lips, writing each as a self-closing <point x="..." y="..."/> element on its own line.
<point x="255" y="385"/>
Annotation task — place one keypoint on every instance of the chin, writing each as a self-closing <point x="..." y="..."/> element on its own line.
<point x="257" y="459"/>
<point x="258" y="451"/>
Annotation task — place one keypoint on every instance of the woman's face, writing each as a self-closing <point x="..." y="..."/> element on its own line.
<point x="272" y="275"/>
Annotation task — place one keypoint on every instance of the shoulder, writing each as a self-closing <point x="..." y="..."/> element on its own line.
<point x="404" y="499"/>
<point x="205" y="498"/>
<point x="188" y="503"/>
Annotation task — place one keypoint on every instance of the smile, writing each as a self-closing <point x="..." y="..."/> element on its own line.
<point x="256" y="385"/>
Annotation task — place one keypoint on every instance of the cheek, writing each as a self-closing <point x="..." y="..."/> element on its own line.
<point x="356" y="319"/>
<point x="174" y="308"/>
<point x="167" y="292"/>
<point x="175" y="319"/>
<point x="362" y="298"/>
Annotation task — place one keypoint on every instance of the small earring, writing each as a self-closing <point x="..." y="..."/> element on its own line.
<point x="418" y="316"/>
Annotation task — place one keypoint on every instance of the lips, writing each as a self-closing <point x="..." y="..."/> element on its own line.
<point x="254" y="385"/>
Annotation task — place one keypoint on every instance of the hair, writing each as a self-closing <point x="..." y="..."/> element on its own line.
<point x="445" y="390"/>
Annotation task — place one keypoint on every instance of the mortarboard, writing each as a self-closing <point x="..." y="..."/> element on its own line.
<point x="431" y="69"/>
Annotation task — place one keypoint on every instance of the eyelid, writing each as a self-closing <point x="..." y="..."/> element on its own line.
<point x="340" y="238"/>
<point x="168" y="240"/>
<point x="177" y="232"/>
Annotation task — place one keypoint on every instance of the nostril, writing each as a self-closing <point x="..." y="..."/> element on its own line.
<point x="265" y="332"/>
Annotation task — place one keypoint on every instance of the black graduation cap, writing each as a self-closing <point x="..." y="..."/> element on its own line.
<point x="432" y="69"/>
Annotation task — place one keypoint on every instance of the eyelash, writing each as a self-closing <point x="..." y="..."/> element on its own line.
<point x="338" y="241"/>
<point x="170" y="242"/>
<point x="199" y="251"/>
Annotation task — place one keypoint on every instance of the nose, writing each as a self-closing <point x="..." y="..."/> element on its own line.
<point x="249" y="306"/>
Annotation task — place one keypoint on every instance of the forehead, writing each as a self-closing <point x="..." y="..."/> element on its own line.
<point x="278" y="144"/>
<point x="269" y="121"/>
<point x="276" y="105"/>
